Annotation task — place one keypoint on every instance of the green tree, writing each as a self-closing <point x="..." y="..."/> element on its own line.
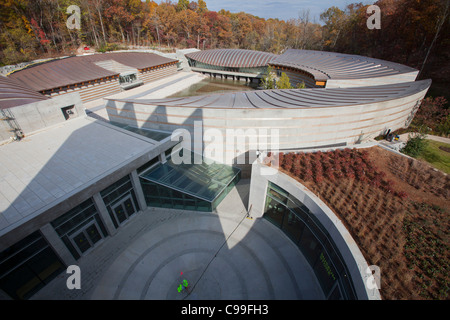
<point x="201" y="7"/>
<point x="301" y="85"/>
<point x="268" y="80"/>
<point x="416" y="145"/>
<point x="182" y="5"/>
<point x="284" y="82"/>
<point x="334" y="19"/>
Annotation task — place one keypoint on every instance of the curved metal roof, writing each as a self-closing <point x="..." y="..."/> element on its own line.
<point x="138" y="60"/>
<point x="73" y="70"/>
<point x="13" y="94"/>
<point x="233" y="58"/>
<point x="294" y="98"/>
<point x="331" y="65"/>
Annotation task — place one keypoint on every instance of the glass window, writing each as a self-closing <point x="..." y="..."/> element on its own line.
<point x="120" y="200"/>
<point x="114" y="186"/>
<point x="310" y="246"/>
<point x="74" y="222"/>
<point x="27" y="266"/>
<point x="335" y="294"/>
<point x="203" y="206"/>
<point x="274" y="212"/>
<point x="85" y="206"/>
<point x="293" y="226"/>
<point x="325" y="272"/>
<point x="190" y="204"/>
<point x="295" y="219"/>
<point x="278" y="193"/>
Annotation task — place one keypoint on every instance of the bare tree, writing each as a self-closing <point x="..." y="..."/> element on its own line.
<point x="303" y="18"/>
<point x="99" y="6"/>
<point x="156" y="22"/>
<point x="94" y="30"/>
<point x="438" y="29"/>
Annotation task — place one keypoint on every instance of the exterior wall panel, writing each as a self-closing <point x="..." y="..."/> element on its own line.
<point x="297" y="127"/>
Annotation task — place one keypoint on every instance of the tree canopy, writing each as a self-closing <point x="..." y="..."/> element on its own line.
<point x="413" y="32"/>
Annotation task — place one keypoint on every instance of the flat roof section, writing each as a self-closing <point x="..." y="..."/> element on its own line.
<point x="44" y="169"/>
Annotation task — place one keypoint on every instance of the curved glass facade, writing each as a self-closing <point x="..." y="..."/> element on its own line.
<point x="299" y="224"/>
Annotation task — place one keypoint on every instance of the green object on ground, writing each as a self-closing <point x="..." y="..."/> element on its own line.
<point x="180" y="288"/>
<point x="415" y="145"/>
<point x="185" y="283"/>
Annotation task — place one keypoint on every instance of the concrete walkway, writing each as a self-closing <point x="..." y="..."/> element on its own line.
<point x="222" y="255"/>
<point x="405" y="136"/>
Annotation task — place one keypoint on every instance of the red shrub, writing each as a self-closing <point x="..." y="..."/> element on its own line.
<point x="329" y="173"/>
<point x="389" y="186"/>
<point x="308" y="175"/>
<point x="376" y="181"/>
<point x="402" y="195"/>
<point x="318" y="178"/>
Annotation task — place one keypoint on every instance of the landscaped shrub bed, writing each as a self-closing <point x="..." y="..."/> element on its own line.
<point x="395" y="208"/>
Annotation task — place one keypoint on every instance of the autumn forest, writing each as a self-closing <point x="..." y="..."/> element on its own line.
<point x="413" y="32"/>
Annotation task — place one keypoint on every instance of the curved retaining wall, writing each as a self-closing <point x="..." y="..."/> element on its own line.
<point x="347" y="247"/>
<point x="298" y="127"/>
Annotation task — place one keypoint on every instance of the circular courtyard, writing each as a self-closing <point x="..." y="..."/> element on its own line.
<point x="224" y="255"/>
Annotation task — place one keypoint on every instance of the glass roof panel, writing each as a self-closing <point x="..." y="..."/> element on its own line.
<point x="149" y="133"/>
<point x="204" y="181"/>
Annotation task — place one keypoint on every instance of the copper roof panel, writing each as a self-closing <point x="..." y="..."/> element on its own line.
<point x="13" y="94"/>
<point x="73" y="70"/>
<point x="233" y="58"/>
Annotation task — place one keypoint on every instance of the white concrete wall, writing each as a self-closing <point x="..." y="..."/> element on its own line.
<point x="38" y="115"/>
<point x="353" y="258"/>
<point x="157" y="73"/>
<point x="92" y="91"/>
<point x="298" y="128"/>
<point x="376" y="81"/>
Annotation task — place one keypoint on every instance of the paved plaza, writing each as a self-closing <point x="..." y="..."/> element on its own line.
<point x="222" y="255"/>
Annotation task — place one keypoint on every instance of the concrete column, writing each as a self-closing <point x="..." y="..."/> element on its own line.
<point x="57" y="244"/>
<point x="258" y="190"/>
<point x="138" y="190"/>
<point x="162" y="158"/>
<point x="104" y="214"/>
